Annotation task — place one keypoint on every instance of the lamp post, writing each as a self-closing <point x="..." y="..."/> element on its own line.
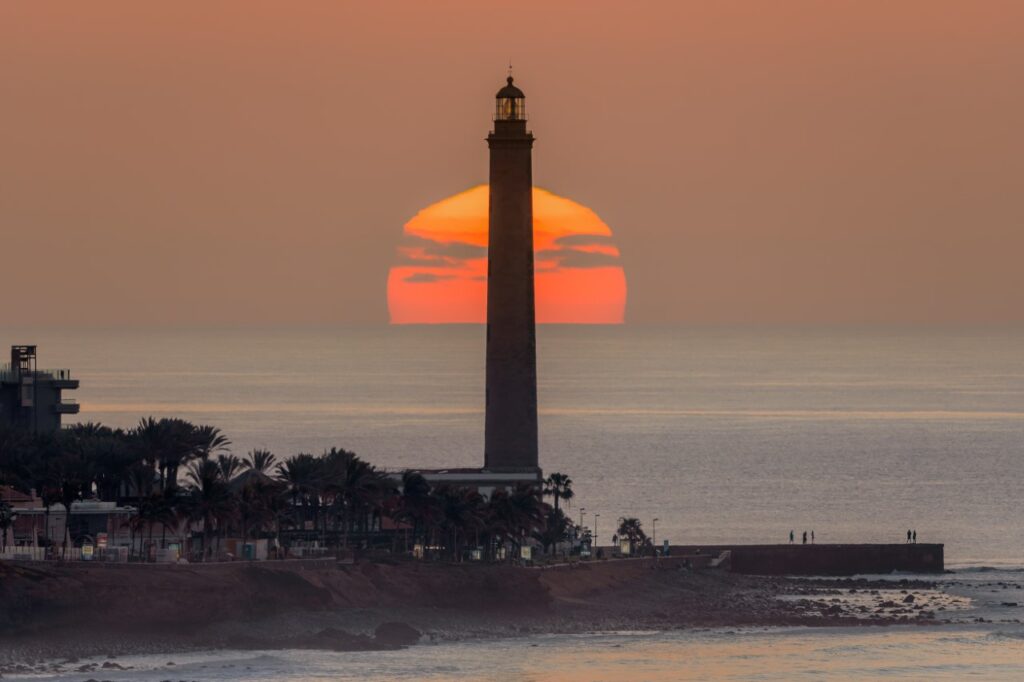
<point x="654" y="536"/>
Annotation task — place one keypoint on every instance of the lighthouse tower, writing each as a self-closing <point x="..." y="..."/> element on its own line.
<point x="511" y="422"/>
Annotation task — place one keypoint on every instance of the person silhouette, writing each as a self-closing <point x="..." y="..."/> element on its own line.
<point x="908" y="537"/>
<point x="805" y="537"/>
<point x="791" y="537"/>
<point x="915" y="536"/>
<point x="812" y="537"/>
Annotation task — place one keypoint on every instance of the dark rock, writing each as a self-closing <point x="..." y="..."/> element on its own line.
<point x="396" y="634"/>
<point x="909" y="599"/>
<point x="338" y="640"/>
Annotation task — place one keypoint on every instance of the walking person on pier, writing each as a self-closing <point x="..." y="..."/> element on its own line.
<point x="908" y="537"/>
<point x="915" y="536"/>
<point x="791" y="537"/>
<point x="805" y="537"/>
<point x="812" y="537"/>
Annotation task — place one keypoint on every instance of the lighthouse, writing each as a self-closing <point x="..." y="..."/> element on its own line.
<point x="510" y="428"/>
<point x="510" y="424"/>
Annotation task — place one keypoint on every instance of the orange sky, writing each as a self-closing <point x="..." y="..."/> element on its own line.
<point x="254" y="163"/>
<point x="441" y="272"/>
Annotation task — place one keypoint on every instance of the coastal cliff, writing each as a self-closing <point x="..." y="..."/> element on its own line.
<point x="52" y="609"/>
<point x="48" y="595"/>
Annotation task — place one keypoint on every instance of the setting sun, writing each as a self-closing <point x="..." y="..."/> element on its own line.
<point x="440" y="275"/>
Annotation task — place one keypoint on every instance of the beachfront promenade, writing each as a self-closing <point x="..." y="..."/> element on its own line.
<point x="825" y="559"/>
<point x="798" y="560"/>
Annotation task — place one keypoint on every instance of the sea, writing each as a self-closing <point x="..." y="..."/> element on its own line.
<point x="707" y="435"/>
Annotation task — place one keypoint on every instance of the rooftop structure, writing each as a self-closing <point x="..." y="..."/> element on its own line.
<point x="32" y="398"/>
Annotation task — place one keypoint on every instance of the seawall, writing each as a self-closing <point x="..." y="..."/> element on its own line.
<point x="826" y="559"/>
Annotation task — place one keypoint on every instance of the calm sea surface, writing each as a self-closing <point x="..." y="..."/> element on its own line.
<point x="723" y="435"/>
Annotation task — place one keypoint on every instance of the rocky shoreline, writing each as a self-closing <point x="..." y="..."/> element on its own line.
<point x="381" y="607"/>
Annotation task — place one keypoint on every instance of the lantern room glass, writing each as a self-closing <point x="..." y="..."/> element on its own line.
<point x="510" y="109"/>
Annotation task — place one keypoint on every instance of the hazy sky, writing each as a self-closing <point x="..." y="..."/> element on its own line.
<point x="759" y="162"/>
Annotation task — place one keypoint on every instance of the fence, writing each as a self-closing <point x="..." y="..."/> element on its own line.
<point x="109" y="554"/>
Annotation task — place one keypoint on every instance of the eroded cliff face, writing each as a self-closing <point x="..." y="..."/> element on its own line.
<point x="37" y="596"/>
<point x="50" y="610"/>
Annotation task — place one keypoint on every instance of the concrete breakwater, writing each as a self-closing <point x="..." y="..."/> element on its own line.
<point x="831" y="560"/>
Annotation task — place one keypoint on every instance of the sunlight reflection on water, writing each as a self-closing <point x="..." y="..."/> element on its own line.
<point x="783" y="654"/>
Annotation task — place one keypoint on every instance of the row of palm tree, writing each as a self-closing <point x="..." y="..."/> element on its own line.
<point x="182" y="480"/>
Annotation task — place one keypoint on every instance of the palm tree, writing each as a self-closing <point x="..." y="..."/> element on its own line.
<point x="83" y="441"/>
<point x="229" y="466"/>
<point x="556" y="529"/>
<point x="157" y="507"/>
<point x="68" y="476"/>
<point x="207" y="441"/>
<point x="530" y="511"/>
<point x="139" y="479"/>
<point x="166" y="444"/>
<point x="47" y="478"/>
<point x="256" y="496"/>
<point x="278" y="508"/>
<point x="354" y="487"/>
<point x="169" y="516"/>
<point x="260" y="460"/>
<point x="7" y="517"/>
<point x="631" y="529"/>
<point x="514" y="515"/>
<point x="462" y="512"/>
<point x="209" y="500"/>
<point x="136" y="525"/>
<point x="70" y="491"/>
<point x="110" y="460"/>
<point x="301" y="474"/>
<point x="558" y="486"/>
<point x="415" y="505"/>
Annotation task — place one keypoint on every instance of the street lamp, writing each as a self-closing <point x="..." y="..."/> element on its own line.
<point x="654" y="536"/>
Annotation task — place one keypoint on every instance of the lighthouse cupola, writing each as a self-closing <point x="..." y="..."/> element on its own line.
<point x="510" y="103"/>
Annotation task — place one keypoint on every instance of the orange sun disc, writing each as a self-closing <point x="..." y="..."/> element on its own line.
<point x="440" y="275"/>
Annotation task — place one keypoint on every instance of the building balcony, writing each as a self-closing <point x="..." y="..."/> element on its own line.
<point x="59" y="378"/>
<point x="67" y="406"/>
